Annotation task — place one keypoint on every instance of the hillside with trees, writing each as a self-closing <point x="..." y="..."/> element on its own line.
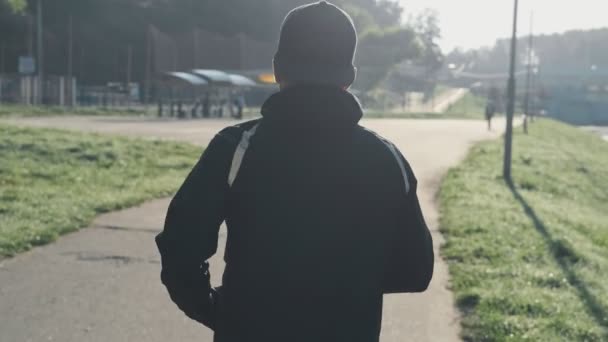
<point x="104" y="29"/>
<point x="579" y="51"/>
<point x="569" y="72"/>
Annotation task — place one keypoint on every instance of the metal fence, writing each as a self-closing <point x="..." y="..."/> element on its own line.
<point x="22" y="89"/>
<point x="109" y="96"/>
<point x="59" y="91"/>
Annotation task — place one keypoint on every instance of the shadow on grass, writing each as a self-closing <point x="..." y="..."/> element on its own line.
<point x="566" y="258"/>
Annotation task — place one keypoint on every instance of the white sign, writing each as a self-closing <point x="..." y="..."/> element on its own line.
<point x="27" y="65"/>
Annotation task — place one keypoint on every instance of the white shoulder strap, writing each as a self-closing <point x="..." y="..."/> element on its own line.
<point x="239" y="154"/>
<point x="393" y="149"/>
<point x="397" y="157"/>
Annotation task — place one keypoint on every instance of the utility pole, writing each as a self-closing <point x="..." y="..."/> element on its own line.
<point x="2" y="70"/>
<point x="129" y="63"/>
<point x="29" y="39"/>
<point x="2" y="58"/>
<point x="148" y="66"/>
<point x="528" y="76"/>
<point x="70" y="82"/>
<point x="175" y="59"/>
<point x="511" y="101"/>
<point x="40" y="54"/>
<point x="195" y="62"/>
<point x="81" y="63"/>
<point x="533" y="83"/>
<point x="129" y="67"/>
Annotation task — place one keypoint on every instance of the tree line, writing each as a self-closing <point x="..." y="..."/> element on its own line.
<point x="104" y="30"/>
<point x="569" y="72"/>
<point x="577" y="52"/>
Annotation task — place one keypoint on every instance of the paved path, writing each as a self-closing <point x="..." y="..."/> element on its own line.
<point x="438" y="105"/>
<point x="601" y="130"/>
<point x="102" y="283"/>
<point x="449" y="98"/>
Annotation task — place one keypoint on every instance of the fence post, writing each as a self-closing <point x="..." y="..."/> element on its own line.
<point x="22" y="90"/>
<point x="180" y="111"/>
<point x="61" y="91"/>
<point x="104" y="99"/>
<point x="73" y="91"/>
<point x="35" y="91"/>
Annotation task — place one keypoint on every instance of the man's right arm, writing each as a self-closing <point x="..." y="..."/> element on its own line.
<point x="190" y="235"/>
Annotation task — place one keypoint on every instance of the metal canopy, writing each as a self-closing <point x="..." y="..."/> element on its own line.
<point x="214" y="76"/>
<point x="188" y="78"/>
<point x="241" y="81"/>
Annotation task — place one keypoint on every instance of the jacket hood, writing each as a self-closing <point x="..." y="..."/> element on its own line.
<point x="314" y="105"/>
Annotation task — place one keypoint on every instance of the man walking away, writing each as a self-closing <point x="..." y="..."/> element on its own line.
<point x="490" y="111"/>
<point x="322" y="214"/>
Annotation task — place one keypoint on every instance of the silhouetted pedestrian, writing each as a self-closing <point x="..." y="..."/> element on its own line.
<point x="239" y="103"/>
<point x="206" y="106"/>
<point x="490" y="112"/>
<point x="322" y="214"/>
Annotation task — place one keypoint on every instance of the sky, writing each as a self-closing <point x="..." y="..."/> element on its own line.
<point x="475" y="23"/>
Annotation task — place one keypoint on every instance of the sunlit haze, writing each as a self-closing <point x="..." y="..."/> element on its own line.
<point x="475" y="23"/>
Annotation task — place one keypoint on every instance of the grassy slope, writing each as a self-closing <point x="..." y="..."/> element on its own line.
<point x="531" y="262"/>
<point x="53" y="182"/>
<point x="470" y="106"/>
<point x="378" y="114"/>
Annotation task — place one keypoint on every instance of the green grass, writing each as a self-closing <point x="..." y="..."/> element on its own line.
<point x="440" y="89"/>
<point x="378" y="114"/>
<point x="530" y="262"/>
<point x="405" y="115"/>
<point x="470" y="106"/>
<point x="54" y="182"/>
<point x="11" y="110"/>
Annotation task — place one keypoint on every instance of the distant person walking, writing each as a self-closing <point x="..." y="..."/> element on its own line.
<point x="490" y="112"/>
<point x="322" y="214"/>
<point x="238" y="106"/>
<point x="207" y="106"/>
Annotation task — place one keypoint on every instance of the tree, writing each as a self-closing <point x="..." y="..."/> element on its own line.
<point x="104" y="28"/>
<point x="385" y="13"/>
<point x="17" y="6"/>
<point x="388" y="13"/>
<point x="380" y="50"/>
<point x="362" y="19"/>
<point x="426" y="25"/>
<point x="572" y="52"/>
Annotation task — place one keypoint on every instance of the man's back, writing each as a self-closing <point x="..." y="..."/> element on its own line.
<point x="320" y="223"/>
<point x="309" y="218"/>
<point x="322" y="216"/>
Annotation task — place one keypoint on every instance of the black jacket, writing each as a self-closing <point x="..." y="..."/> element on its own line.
<point x="323" y="219"/>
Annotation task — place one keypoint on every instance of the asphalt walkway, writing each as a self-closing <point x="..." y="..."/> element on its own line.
<point x="102" y="283"/>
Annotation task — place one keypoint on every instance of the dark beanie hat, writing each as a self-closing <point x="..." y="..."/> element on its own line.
<point x="317" y="46"/>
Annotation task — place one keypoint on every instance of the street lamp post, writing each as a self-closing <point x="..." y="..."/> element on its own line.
<point x="70" y="76"/>
<point x="530" y="64"/>
<point x="40" y="54"/>
<point x="511" y="101"/>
